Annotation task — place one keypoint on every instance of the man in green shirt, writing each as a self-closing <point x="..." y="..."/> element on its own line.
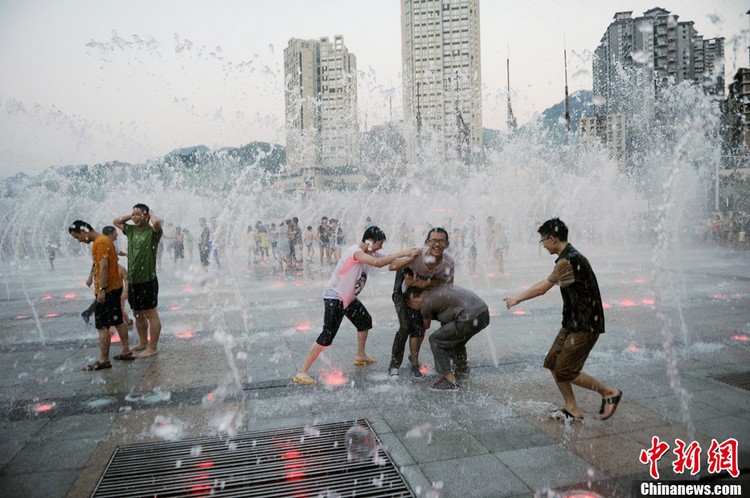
<point x="144" y="234"/>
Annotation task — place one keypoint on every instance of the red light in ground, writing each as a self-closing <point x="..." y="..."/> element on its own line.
<point x="718" y="295"/>
<point x="492" y="314"/>
<point x="628" y="303"/>
<point x="43" y="407"/>
<point x="525" y="286"/>
<point x="444" y="210"/>
<point x="303" y="327"/>
<point x="21" y="317"/>
<point x="334" y="378"/>
<point x="51" y="315"/>
<point x="491" y="274"/>
<point x="185" y="335"/>
<point x="205" y="465"/>
<point x="648" y="301"/>
<point x="740" y="337"/>
<point x="639" y="280"/>
<point x="115" y="338"/>
<point x="46" y="298"/>
<point x="70" y="295"/>
<point x="520" y="312"/>
<point x="174" y="308"/>
<point x="606" y="306"/>
<point x="633" y="348"/>
<point x="188" y="289"/>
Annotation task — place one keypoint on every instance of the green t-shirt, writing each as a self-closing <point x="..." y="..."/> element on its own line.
<point x="142" y="245"/>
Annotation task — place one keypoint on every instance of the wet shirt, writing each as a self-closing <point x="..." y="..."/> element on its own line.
<point x="582" y="302"/>
<point x="419" y="270"/>
<point x="103" y="248"/>
<point x="451" y="303"/>
<point x="142" y="246"/>
<point x="349" y="276"/>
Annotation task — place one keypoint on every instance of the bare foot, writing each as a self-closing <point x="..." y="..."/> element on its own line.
<point x="139" y="347"/>
<point x="147" y="353"/>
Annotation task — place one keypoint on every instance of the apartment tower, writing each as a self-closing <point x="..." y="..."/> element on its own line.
<point x="442" y="78"/>
<point x="321" y="109"/>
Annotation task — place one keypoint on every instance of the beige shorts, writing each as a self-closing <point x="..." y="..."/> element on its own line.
<point x="568" y="354"/>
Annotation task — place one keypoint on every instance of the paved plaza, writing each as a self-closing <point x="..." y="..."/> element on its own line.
<point x="232" y="339"/>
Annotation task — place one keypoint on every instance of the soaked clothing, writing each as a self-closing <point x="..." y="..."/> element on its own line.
<point x="142" y="250"/>
<point x="335" y="313"/>
<point x="418" y="269"/>
<point x="349" y="276"/>
<point x="104" y="248"/>
<point x="582" y="302"/>
<point x="568" y="354"/>
<point x="108" y="313"/>
<point x="144" y="295"/>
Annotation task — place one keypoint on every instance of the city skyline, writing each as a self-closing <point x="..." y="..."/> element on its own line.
<point x="86" y="82"/>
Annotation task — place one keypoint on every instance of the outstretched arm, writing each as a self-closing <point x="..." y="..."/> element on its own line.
<point x="368" y="259"/>
<point x="405" y="260"/>
<point x="536" y="290"/>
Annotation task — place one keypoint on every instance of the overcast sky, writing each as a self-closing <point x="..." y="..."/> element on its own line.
<point x="87" y="81"/>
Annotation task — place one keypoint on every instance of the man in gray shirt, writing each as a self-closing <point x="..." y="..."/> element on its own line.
<point x="462" y="314"/>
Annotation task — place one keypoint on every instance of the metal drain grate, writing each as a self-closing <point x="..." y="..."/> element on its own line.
<point x="292" y="462"/>
<point x="741" y="379"/>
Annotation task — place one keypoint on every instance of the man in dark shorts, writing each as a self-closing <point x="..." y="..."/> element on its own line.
<point x="108" y="289"/>
<point x="143" y="236"/>
<point x="462" y="314"/>
<point x="583" y="321"/>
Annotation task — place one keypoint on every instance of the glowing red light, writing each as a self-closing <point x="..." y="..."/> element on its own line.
<point x="647" y="300"/>
<point x="492" y="313"/>
<point x="740" y="337"/>
<point x="444" y="210"/>
<point x="718" y="295"/>
<point x="606" y="306"/>
<point x="628" y="303"/>
<point x="115" y="338"/>
<point x="633" y="348"/>
<point x="303" y="327"/>
<point x="174" y="308"/>
<point x="21" y="317"/>
<point x="520" y="312"/>
<point x="334" y="378"/>
<point x="205" y="465"/>
<point x="46" y="298"/>
<point x="640" y="280"/>
<point x="70" y="295"/>
<point x="491" y="274"/>
<point x="51" y="315"/>
<point x="525" y="286"/>
<point x="44" y="407"/>
<point x="188" y="289"/>
<point x="184" y="335"/>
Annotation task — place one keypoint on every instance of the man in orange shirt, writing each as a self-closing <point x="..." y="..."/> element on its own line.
<point x="108" y="289"/>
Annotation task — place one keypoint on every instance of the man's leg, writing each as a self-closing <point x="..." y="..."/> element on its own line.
<point x="141" y="326"/>
<point x="154" y="328"/>
<point x="361" y="343"/>
<point x="104" y="342"/>
<point x="588" y="382"/>
<point x="442" y="343"/>
<point x="122" y="331"/>
<point x="302" y="376"/>
<point x="402" y="334"/>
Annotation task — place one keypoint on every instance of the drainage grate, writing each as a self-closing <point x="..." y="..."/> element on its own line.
<point x="741" y="380"/>
<point x="297" y="461"/>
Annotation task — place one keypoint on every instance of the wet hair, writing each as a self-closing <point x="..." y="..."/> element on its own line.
<point x="142" y="207"/>
<point x="324" y="218"/>
<point x="80" y="226"/>
<point x="309" y="227"/>
<point x="109" y="229"/>
<point x="554" y="227"/>
<point x="438" y="230"/>
<point x="374" y="234"/>
<point x="413" y="293"/>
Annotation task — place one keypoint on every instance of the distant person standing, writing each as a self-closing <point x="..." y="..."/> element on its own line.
<point x="144" y="234"/>
<point x="108" y="289"/>
<point x="204" y="244"/>
<point x="583" y="321"/>
<point x="51" y="249"/>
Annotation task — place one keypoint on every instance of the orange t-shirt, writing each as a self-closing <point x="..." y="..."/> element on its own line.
<point x="105" y="248"/>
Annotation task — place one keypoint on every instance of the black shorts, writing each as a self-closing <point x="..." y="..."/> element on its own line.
<point x="335" y="313"/>
<point x="144" y="296"/>
<point x="109" y="313"/>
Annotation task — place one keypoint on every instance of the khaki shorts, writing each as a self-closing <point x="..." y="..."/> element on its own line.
<point x="568" y="354"/>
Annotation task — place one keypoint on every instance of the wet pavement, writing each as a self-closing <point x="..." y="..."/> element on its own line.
<point x="233" y="338"/>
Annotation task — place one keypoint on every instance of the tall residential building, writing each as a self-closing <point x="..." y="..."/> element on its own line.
<point x="321" y="109"/>
<point x="653" y="51"/>
<point x="606" y="130"/>
<point x="442" y="78"/>
<point x="737" y="110"/>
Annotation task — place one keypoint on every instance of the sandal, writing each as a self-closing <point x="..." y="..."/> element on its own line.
<point x="563" y="414"/>
<point x="366" y="361"/>
<point x="124" y="357"/>
<point x="614" y="401"/>
<point x="97" y="366"/>
<point x="305" y="381"/>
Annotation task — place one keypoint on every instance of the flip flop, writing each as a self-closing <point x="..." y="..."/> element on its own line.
<point x="614" y="401"/>
<point x="563" y="414"/>
<point x="124" y="357"/>
<point x="97" y="366"/>
<point x="368" y="361"/>
<point x="304" y="381"/>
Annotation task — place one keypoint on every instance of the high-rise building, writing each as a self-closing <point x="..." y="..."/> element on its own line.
<point x="652" y="52"/>
<point x="442" y="78"/>
<point x="321" y="109"/>
<point x="606" y="130"/>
